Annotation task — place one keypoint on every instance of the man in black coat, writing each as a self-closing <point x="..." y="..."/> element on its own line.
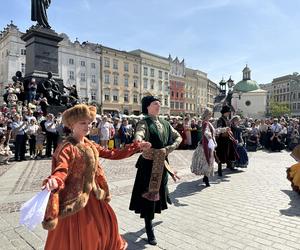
<point x="225" y="150"/>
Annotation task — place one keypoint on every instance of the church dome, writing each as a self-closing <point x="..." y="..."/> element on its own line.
<point x="246" y="84"/>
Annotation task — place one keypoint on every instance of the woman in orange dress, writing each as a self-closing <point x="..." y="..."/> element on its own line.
<point x="78" y="215"/>
<point x="293" y="172"/>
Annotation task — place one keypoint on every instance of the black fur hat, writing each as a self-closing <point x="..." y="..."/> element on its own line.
<point x="146" y="101"/>
<point x="225" y="109"/>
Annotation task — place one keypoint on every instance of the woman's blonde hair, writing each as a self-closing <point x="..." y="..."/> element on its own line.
<point x="78" y="113"/>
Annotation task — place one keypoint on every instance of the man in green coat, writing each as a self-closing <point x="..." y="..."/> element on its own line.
<point x="150" y="193"/>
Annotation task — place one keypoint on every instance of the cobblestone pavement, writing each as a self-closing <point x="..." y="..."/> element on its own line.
<point x="253" y="208"/>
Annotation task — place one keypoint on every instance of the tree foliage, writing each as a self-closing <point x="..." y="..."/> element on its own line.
<point x="279" y="109"/>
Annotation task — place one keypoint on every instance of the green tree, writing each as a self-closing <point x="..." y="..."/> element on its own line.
<point x="278" y="109"/>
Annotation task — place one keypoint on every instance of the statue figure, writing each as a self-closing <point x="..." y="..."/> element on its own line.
<point x="38" y="12"/>
<point x="50" y="89"/>
<point x="73" y="97"/>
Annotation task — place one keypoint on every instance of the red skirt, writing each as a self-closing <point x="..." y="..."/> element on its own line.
<point x="94" y="227"/>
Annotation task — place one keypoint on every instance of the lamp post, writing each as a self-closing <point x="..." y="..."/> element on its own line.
<point x="230" y="84"/>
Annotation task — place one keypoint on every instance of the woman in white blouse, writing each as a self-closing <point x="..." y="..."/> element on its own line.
<point x="31" y="131"/>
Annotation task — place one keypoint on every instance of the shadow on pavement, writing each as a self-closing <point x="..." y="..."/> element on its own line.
<point x="134" y="240"/>
<point x="294" y="209"/>
<point x="185" y="189"/>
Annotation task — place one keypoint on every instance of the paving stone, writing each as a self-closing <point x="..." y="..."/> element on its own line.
<point x="250" y="209"/>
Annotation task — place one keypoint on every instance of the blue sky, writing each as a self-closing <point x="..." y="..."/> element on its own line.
<point x="216" y="36"/>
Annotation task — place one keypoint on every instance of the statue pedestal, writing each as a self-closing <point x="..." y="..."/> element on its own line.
<point x="41" y="53"/>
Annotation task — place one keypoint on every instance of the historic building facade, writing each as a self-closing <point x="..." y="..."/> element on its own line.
<point x="154" y="75"/>
<point x="115" y="80"/>
<point x="281" y="88"/>
<point x="267" y="87"/>
<point x="79" y="64"/>
<point x="212" y="91"/>
<point x="120" y="82"/>
<point x="12" y="55"/>
<point x="196" y="91"/>
<point x="248" y="99"/>
<point x="177" y="86"/>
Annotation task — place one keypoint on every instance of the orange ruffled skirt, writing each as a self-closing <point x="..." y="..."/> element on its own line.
<point x="293" y="175"/>
<point x="94" y="227"/>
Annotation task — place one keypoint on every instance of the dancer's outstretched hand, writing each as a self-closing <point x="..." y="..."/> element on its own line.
<point x="145" y="145"/>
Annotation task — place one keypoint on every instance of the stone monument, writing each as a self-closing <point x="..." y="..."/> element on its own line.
<point x="41" y="45"/>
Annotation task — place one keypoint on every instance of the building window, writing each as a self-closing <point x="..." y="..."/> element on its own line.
<point x="181" y="105"/>
<point x="93" y="95"/>
<point x="152" y="84"/>
<point x="172" y="93"/>
<point x="160" y="85"/>
<point x="166" y="76"/>
<point x="126" y="81"/>
<point x="160" y="74"/>
<point x="82" y="63"/>
<point x="115" y="95"/>
<point x="71" y="75"/>
<point x="116" y="80"/>
<point x="135" y="69"/>
<point x="71" y="61"/>
<point x="181" y="95"/>
<point x="23" y="52"/>
<point x="93" y="79"/>
<point x="152" y="72"/>
<point x="166" y="86"/>
<point x="23" y="67"/>
<point x="176" y="105"/>
<point x="145" y="71"/>
<point x="106" y="95"/>
<point x="126" y="67"/>
<point x="135" y="99"/>
<point x="187" y="106"/>
<point x="106" y="78"/>
<point x="106" y="62"/>
<point x="126" y="98"/>
<point x="166" y="101"/>
<point x="93" y="65"/>
<point x="82" y="77"/>
<point x="177" y="94"/>
<point x="145" y="83"/>
<point x="172" y="105"/>
<point x="135" y="83"/>
<point x="115" y="64"/>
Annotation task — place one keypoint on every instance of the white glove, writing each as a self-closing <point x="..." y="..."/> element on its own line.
<point x="211" y="144"/>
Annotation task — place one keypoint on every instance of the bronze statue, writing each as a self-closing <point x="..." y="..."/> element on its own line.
<point x="38" y="12"/>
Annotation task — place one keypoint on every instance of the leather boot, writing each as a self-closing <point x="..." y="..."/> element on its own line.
<point x="220" y="169"/>
<point x="206" y="181"/>
<point x="150" y="232"/>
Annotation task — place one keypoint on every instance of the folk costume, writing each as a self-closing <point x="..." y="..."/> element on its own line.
<point x="225" y="151"/>
<point x="78" y="215"/>
<point x="203" y="157"/>
<point x="150" y="193"/>
<point x="242" y="161"/>
<point x="293" y="172"/>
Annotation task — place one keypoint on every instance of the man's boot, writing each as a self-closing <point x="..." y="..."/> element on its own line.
<point x="150" y="232"/>
<point x="206" y="181"/>
<point x="220" y="169"/>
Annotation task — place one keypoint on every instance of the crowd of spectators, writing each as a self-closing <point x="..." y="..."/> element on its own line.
<point x="27" y="130"/>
